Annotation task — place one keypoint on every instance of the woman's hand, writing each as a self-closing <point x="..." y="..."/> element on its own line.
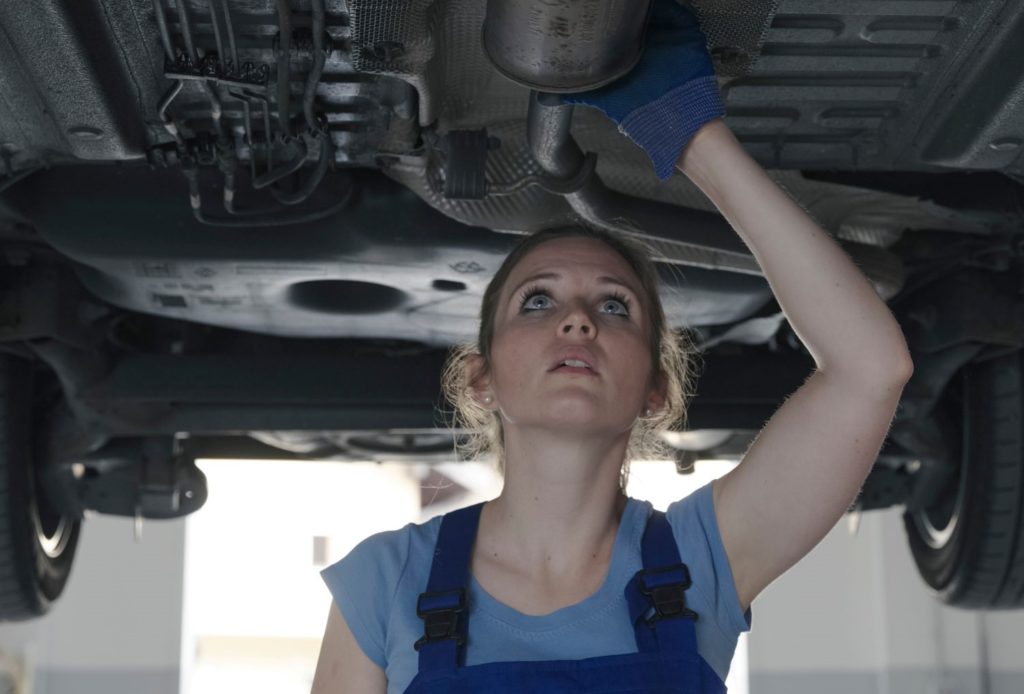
<point x="670" y="93"/>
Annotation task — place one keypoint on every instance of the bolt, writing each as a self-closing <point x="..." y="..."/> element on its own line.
<point x="387" y="51"/>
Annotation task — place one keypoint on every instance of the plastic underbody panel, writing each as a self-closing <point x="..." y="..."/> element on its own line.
<point x="907" y="85"/>
<point x="390" y="267"/>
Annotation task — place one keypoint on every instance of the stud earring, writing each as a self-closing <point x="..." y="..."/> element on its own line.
<point x="487" y="399"/>
<point x="648" y="412"/>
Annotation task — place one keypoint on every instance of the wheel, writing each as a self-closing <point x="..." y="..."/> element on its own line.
<point x="37" y="544"/>
<point x="969" y="543"/>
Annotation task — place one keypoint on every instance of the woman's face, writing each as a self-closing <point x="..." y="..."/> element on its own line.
<point x="572" y="299"/>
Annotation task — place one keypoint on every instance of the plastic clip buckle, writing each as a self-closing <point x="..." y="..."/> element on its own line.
<point x="669" y="598"/>
<point x="443" y="622"/>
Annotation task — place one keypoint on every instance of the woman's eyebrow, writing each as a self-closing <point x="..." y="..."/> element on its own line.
<point x="534" y="278"/>
<point x="617" y="281"/>
<point x="604" y="279"/>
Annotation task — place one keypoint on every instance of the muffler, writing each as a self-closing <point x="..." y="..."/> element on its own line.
<point x="564" y="46"/>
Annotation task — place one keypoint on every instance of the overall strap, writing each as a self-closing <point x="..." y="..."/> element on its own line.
<point x="443" y="606"/>
<point x="657" y="603"/>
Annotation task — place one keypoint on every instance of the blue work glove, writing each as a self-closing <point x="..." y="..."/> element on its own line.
<point x="670" y="93"/>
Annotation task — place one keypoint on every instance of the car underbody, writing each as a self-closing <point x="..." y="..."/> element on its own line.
<point x="254" y="228"/>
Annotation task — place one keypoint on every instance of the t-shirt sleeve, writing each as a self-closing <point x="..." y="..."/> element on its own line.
<point x="363" y="584"/>
<point x="695" y="527"/>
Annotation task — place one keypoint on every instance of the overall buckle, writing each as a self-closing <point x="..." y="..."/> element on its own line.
<point x="668" y="596"/>
<point x="441" y="623"/>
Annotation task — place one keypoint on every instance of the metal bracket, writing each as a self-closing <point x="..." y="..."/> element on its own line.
<point x="141" y="478"/>
<point x="465" y="164"/>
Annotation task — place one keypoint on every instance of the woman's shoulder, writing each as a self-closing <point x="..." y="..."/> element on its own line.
<point x="695" y="527"/>
<point x="365" y="582"/>
<point x="388" y="552"/>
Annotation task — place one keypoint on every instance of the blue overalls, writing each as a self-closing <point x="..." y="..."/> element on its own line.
<point x="667" y="661"/>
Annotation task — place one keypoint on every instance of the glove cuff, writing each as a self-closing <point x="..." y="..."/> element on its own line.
<point x="665" y="126"/>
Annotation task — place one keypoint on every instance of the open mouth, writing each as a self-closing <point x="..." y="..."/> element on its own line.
<point x="575" y="366"/>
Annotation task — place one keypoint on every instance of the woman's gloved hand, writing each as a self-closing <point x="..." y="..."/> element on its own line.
<point x="670" y="93"/>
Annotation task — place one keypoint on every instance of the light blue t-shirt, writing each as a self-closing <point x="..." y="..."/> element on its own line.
<point x="376" y="586"/>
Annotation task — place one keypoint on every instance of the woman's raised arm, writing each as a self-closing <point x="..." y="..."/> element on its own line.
<point x="809" y="462"/>
<point x="830" y="304"/>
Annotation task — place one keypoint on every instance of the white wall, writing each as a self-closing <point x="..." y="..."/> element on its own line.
<point x="250" y="548"/>
<point x="117" y="627"/>
<point x="255" y="603"/>
<point x="854" y="616"/>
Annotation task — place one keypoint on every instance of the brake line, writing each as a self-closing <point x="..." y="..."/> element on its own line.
<point x="186" y="32"/>
<point x="228" y="164"/>
<point x="284" y="23"/>
<point x="319" y="58"/>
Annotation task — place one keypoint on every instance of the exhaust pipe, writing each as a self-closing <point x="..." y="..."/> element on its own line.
<point x="564" y="46"/>
<point x="676" y="234"/>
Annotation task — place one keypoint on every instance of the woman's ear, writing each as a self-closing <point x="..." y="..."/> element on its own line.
<point x="479" y="381"/>
<point x="658" y="394"/>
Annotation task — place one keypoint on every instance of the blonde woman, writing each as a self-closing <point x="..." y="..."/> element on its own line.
<point x="563" y="583"/>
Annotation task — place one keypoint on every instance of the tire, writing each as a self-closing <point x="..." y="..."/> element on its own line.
<point x="969" y="544"/>
<point x="37" y="545"/>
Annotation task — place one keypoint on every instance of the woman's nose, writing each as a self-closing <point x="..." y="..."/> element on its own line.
<point x="579" y="322"/>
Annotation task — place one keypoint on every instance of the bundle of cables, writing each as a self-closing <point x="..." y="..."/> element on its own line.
<point x="284" y="154"/>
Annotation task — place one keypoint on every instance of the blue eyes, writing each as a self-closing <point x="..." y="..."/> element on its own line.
<point x="618" y="306"/>
<point x="536" y="299"/>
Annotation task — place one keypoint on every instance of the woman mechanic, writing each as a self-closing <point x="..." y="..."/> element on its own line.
<point x="562" y="583"/>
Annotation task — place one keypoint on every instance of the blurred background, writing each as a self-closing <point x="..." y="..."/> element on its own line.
<point x="230" y="598"/>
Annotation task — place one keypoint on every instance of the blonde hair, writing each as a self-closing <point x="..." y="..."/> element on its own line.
<point x="671" y="352"/>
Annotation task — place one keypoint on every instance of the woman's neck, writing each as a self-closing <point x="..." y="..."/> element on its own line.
<point x="561" y="504"/>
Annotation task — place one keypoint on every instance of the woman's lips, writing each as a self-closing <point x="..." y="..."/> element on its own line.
<point x="575" y="370"/>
